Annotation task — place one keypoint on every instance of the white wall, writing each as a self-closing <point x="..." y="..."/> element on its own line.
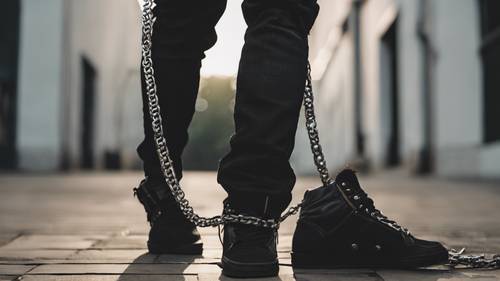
<point x="459" y="88"/>
<point x="110" y="38"/>
<point x="55" y="35"/>
<point x="41" y="66"/>
<point x="456" y="85"/>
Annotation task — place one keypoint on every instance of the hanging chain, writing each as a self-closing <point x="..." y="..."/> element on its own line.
<point x="312" y="131"/>
<point x="229" y="215"/>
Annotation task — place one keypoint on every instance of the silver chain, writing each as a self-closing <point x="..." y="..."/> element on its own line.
<point x="458" y="258"/>
<point x="228" y="216"/>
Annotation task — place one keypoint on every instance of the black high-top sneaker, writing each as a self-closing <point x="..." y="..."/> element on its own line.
<point x="171" y="232"/>
<point x="339" y="226"/>
<point x="249" y="251"/>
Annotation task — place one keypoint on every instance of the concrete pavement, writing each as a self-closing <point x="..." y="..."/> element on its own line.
<point x="88" y="226"/>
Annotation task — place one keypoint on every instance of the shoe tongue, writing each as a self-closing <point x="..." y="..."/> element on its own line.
<point x="350" y="179"/>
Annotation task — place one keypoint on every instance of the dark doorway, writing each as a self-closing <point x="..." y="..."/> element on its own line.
<point x="9" y="46"/>
<point x="89" y="77"/>
<point x="390" y="96"/>
<point x="490" y="52"/>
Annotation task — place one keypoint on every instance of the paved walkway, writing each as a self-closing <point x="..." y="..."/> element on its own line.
<point x="89" y="227"/>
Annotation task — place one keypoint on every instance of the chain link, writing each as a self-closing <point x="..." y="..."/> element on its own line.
<point x="458" y="258"/>
<point x="166" y="163"/>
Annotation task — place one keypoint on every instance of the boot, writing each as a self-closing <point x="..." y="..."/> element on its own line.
<point x="171" y="232"/>
<point x="340" y="227"/>
<point x="249" y="251"/>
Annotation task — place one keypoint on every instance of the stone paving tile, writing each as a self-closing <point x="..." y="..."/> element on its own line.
<point x="109" y="278"/>
<point x="185" y="259"/>
<point x="6" y="238"/>
<point x="219" y="277"/>
<point x="132" y="269"/>
<point x="8" y="277"/>
<point x="124" y="269"/>
<point x="31" y="255"/>
<point x="129" y="255"/>
<point x="366" y="276"/>
<point x="14" y="269"/>
<point x="123" y="242"/>
<point x="52" y="242"/>
<point x="473" y="242"/>
<point x="435" y="275"/>
<point x="217" y="253"/>
<point x="331" y="276"/>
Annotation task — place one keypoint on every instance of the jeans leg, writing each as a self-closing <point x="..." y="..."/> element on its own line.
<point x="183" y="31"/>
<point x="256" y="173"/>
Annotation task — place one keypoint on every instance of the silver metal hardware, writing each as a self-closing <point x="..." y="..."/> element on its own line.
<point x="354" y="246"/>
<point x="378" y="248"/>
<point x="459" y="258"/>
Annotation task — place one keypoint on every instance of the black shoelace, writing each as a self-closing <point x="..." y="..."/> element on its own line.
<point x="369" y="205"/>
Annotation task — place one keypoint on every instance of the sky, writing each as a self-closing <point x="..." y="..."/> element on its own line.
<point x="223" y="58"/>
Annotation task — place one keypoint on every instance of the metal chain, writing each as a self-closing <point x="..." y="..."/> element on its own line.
<point x="456" y="258"/>
<point x="166" y="163"/>
<point x="312" y="131"/>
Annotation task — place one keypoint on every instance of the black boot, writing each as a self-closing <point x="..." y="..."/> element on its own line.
<point x="249" y="251"/>
<point x="339" y="226"/>
<point x="171" y="232"/>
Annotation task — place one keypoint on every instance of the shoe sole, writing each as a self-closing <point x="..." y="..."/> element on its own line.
<point x="236" y="269"/>
<point x="325" y="261"/>
<point x="184" y="249"/>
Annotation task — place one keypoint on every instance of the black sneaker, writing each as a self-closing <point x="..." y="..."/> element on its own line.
<point x="339" y="227"/>
<point x="171" y="232"/>
<point x="249" y="251"/>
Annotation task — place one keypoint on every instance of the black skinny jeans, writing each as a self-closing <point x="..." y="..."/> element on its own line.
<point x="256" y="172"/>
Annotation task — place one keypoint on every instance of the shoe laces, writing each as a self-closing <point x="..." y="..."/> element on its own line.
<point x="369" y="207"/>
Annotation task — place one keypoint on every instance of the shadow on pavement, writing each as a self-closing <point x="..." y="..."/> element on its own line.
<point x="149" y="267"/>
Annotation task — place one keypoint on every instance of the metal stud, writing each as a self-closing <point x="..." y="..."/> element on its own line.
<point x="343" y="184"/>
<point x="354" y="246"/>
<point x="356" y="197"/>
<point x="378" y="247"/>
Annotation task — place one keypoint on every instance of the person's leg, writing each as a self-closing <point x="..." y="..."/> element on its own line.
<point x="183" y="30"/>
<point x="256" y="173"/>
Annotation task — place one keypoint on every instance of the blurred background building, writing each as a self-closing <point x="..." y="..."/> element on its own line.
<point x="399" y="83"/>
<point x="69" y="80"/>
<point x="406" y="83"/>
